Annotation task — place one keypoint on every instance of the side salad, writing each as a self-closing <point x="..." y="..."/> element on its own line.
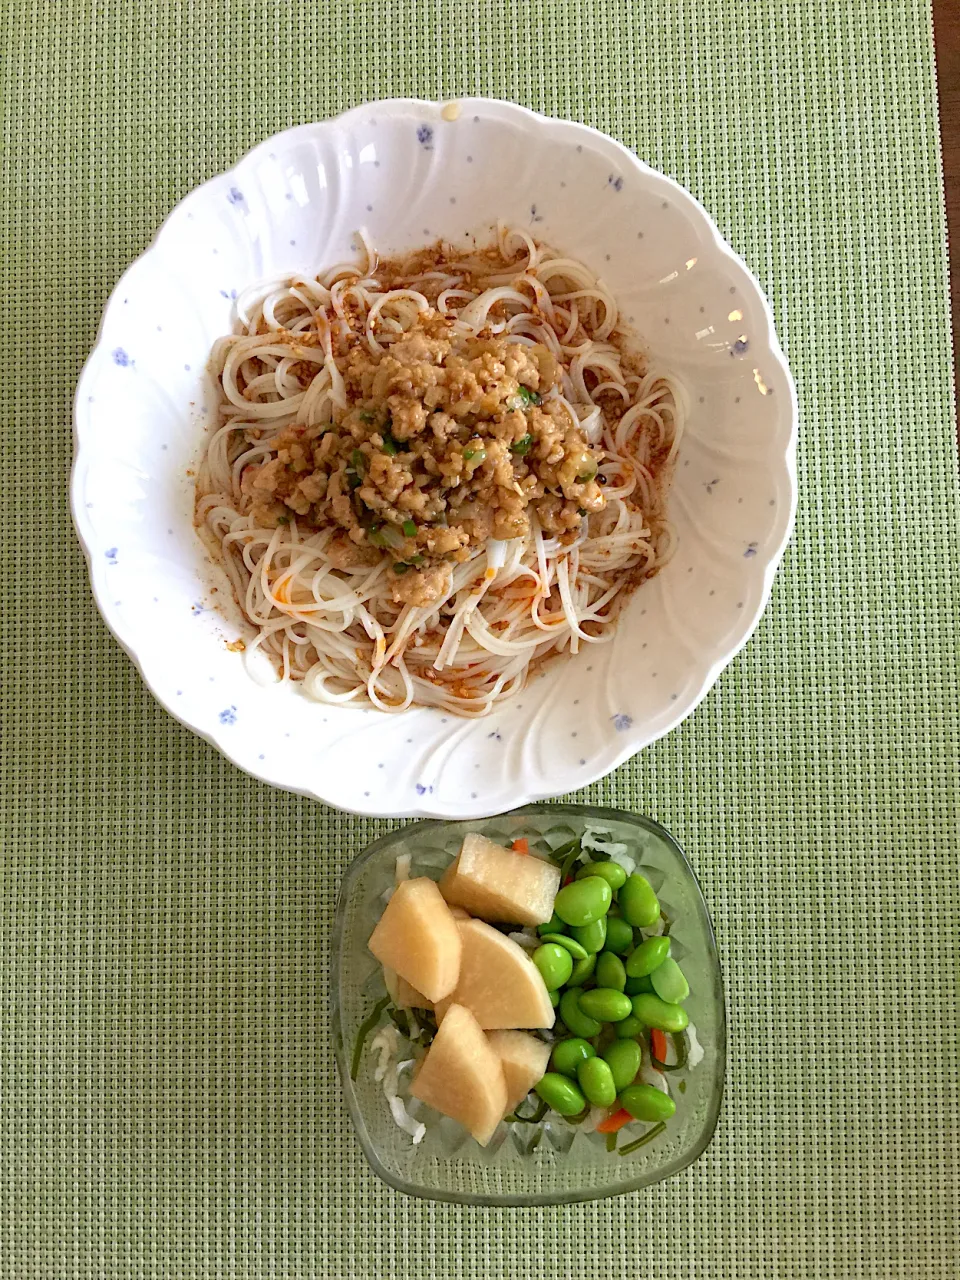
<point x="528" y="987"/>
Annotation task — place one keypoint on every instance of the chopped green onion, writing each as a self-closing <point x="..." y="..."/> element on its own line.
<point x="392" y="536"/>
<point x="368" y="417"/>
<point x="477" y="452"/>
<point x="530" y="397"/>
<point x="588" y="473"/>
<point x="642" y="1142"/>
<point x="522" y="446"/>
<point x="366" y="1027"/>
<point x="569" y="861"/>
<point x="283" y="519"/>
<point x="582" y="511"/>
<point x="358" y="460"/>
<point x="611" y="1141"/>
<point x="375" y="535"/>
<point x="353" y="480"/>
<point x="400" y="567"/>
<point x="416" y="561"/>
<point x="390" y="447"/>
<point x="409" y="529"/>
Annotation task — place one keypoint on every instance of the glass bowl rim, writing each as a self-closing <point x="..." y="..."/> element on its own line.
<point x="524" y="1199"/>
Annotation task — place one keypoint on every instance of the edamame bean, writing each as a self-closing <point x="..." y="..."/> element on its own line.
<point x="654" y="1012"/>
<point x="583" y="901"/>
<point x="619" y="935"/>
<point x="610" y="971"/>
<point x="623" y="1058"/>
<point x="612" y="872"/>
<point x="560" y="1093"/>
<point x="568" y="1054"/>
<point x="669" y="982"/>
<point x="582" y="970"/>
<point x="645" y="1102"/>
<point x="591" y="936"/>
<point x="568" y="944"/>
<point x="596" y="1080"/>
<point x="649" y="955"/>
<point x="605" y="1004"/>
<point x="579" y="1022"/>
<point x="553" y="925"/>
<point x="638" y="902"/>
<point x="554" y="997"/>
<point x="555" y="964"/>
<point x="637" y="986"/>
<point x="629" y="1028"/>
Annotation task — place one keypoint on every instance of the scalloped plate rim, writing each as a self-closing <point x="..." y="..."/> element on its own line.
<point x="634" y="743"/>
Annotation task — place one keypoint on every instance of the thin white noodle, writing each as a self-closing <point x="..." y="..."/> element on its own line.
<point x="338" y="631"/>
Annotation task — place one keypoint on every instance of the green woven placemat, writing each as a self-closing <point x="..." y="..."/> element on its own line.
<point x="167" y="1094"/>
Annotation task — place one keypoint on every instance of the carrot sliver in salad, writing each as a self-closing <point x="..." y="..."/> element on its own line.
<point x="658" y="1043"/>
<point x="521" y="846"/>
<point x="615" y="1122"/>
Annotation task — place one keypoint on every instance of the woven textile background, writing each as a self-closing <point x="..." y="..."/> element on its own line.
<point x="168" y="1102"/>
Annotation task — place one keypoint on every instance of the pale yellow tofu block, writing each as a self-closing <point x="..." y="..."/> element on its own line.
<point x="499" y="885"/>
<point x="461" y="1075"/>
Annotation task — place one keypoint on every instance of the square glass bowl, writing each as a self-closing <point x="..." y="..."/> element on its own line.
<point x="552" y="1162"/>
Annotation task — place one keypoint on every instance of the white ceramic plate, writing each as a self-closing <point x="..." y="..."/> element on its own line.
<point x="410" y="173"/>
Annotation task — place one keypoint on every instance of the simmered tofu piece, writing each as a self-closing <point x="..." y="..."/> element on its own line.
<point x="524" y="1059"/>
<point x="498" y="983"/>
<point x="418" y="938"/>
<point x="402" y="994"/>
<point x="498" y="884"/>
<point x="461" y="1075"/>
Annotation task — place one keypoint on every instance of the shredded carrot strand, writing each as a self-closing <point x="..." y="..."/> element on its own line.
<point x="521" y="846"/>
<point x="614" y="1122"/>
<point x="658" y="1042"/>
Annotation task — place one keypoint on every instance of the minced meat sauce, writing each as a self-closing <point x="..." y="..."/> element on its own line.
<point x="448" y="441"/>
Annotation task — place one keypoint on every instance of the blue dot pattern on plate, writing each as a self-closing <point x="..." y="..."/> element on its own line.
<point x="121" y="358"/>
<point x="111" y="554"/>
<point x="422" y="790"/>
<point x="425" y="137"/>
<point x="621" y="722"/>
<point x="616" y="183"/>
<point x="235" y="196"/>
<point x="228" y="716"/>
<point x="740" y="347"/>
<point x="750" y="551"/>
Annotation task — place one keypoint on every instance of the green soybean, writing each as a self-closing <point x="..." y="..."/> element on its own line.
<point x="560" y="1093"/>
<point x="669" y="982"/>
<point x="583" y="901"/>
<point x="568" y="944"/>
<point x="591" y="936"/>
<point x="623" y="1059"/>
<point x="578" y="1020"/>
<point x="582" y="970"/>
<point x="644" y="1102"/>
<point x="649" y="955"/>
<point x="637" y="986"/>
<point x="605" y="1004"/>
<point x="553" y="925"/>
<point x="629" y="1028"/>
<point x="612" y="872"/>
<point x="610" y="971"/>
<point x="567" y="1056"/>
<point x="555" y="964"/>
<point x="619" y="935"/>
<point x="654" y="1012"/>
<point x="596" y="1080"/>
<point x="554" y="997"/>
<point x="638" y="902"/>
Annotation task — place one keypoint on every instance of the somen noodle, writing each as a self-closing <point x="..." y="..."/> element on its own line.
<point x="430" y="474"/>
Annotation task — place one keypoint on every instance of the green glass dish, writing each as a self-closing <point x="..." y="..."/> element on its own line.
<point x="553" y="1161"/>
